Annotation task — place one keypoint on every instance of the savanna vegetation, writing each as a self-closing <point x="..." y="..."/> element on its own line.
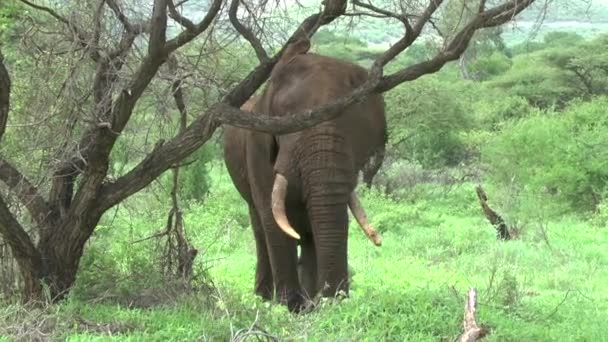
<point x="171" y="255"/>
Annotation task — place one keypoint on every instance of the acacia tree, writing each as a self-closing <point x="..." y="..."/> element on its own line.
<point x="66" y="209"/>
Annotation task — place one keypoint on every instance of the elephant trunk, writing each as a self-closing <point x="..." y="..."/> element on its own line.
<point x="279" y="192"/>
<point x="328" y="178"/>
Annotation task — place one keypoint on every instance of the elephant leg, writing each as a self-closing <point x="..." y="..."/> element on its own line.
<point x="283" y="255"/>
<point x="307" y="268"/>
<point x="263" y="272"/>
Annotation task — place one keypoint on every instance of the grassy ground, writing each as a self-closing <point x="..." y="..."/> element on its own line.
<point x="548" y="285"/>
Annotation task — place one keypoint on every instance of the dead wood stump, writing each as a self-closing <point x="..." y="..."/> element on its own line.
<point x="472" y="332"/>
<point x="496" y="220"/>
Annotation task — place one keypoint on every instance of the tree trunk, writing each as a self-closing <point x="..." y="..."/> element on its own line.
<point x="61" y="249"/>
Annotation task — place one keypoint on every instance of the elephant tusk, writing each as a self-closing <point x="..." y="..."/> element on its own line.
<point x="279" y="191"/>
<point x="357" y="209"/>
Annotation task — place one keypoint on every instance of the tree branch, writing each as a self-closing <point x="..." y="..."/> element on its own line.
<point x="164" y="155"/>
<point x="47" y="10"/>
<point x="384" y="13"/>
<point x="246" y="32"/>
<point x="175" y="15"/>
<point x="158" y="28"/>
<point x="492" y="17"/>
<point x="167" y="154"/>
<point x="472" y="332"/>
<point x="124" y="20"/>
<point x="5" y="93"/>
<point x="411" y="34"/>
<point x="189" y="34"/>
<point x="23" y="249"/>
<point x="296" y="121"/>
<point x="27" y="193"/>
<point x="103" y="137"/>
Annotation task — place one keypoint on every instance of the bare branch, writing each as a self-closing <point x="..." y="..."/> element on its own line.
<point x="297" y="121"/>
<point x="408" y="39"/>
<point x="502" y="14"/>
<point x="47" y="10"/>
<point x="492" y="17"/>
<point x="97" y="19"/>
<point x="124" y="20"/>
<point x="383" y="13"/>
<point x="188" y="35"/>
<point x="175" y="15"/>
<point x="482" y="6"/>
<point x="246" y="32"/>
<point x="167" y="154"/>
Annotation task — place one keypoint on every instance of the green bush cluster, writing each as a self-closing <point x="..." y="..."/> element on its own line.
<point x="561" y="156"/>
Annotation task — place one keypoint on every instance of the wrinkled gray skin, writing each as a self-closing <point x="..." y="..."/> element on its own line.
<point x="321" y="165"/>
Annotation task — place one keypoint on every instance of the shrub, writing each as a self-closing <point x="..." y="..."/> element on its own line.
<point x="426" y="120"/>
<point x="560" y="156"/>
<point x="487" y="67"/>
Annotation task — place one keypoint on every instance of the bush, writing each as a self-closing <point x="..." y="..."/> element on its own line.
<point x="426" y="121"/>
<point x="490" y="66"/>
<point x="561" y="156"/>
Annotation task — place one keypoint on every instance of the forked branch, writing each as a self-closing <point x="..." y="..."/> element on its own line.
<point x="246" y="32"/>
<point x="180" y="19"/>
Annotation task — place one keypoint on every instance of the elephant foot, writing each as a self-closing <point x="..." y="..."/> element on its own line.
<point x="264" y="294"/>
<point x="263" y="289"/>
<point x="294" y="300"/>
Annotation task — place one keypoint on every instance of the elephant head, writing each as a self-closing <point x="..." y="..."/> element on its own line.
<point x="299" y="186"/>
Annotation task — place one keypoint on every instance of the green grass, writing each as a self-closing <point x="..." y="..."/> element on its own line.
<point x="548" y="285"/>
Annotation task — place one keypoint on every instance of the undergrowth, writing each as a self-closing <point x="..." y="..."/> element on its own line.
<point x="547" y="285"/>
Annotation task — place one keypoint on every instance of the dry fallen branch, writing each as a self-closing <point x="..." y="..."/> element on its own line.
<point x="495" y="219"/>
<point x="472" y="331"/>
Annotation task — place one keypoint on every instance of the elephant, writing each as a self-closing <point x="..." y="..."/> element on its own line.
<point x="299" y="186"/>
